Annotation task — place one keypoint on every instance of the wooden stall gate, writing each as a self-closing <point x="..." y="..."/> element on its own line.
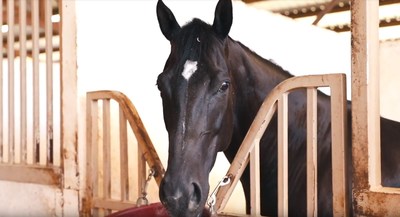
<point x="99" y="199"/>
<point x="30" y="96"/>
<point x="37" y="86"/>
<point x="277" y="100"/>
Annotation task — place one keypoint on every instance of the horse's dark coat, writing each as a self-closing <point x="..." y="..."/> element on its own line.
<point x="213" y="110"/>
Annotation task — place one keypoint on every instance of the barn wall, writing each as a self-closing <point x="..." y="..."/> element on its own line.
<point x="120" y="47"/>
<point x="22" y="199"/>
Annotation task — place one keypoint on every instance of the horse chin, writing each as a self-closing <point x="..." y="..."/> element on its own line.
<point x="197" y="213"/>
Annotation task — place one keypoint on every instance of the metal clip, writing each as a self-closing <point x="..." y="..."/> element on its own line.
<point x="142" y="201"/>
<point x="212" y="199"/>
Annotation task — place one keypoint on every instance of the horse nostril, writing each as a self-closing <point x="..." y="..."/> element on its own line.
<point x="195" y="197"/>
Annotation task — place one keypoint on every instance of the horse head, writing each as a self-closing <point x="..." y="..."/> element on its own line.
<point x="196" y="93"/>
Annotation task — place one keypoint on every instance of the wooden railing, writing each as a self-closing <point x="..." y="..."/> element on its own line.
<point x="99" y="194"/>
<point x="30" y="146"/>
<point x="277" y="100"/>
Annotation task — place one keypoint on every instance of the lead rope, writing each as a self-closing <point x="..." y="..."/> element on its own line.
<point x="212" y="199"/>
<point x="142" y="200"/>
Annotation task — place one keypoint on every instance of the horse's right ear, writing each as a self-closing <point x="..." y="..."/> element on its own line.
<point x="223" y="18"/>
<point x="166" y="19"/>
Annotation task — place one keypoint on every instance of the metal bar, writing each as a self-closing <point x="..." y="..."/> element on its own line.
<point x="283" y="195"/>
<point x="11" y="93"/>
<point x="123" y="138"/>
<point x="36" y="101"/>
<point x="312" y="196"/>
<point x="49" y="79"/>
<point x="23" y="91"/>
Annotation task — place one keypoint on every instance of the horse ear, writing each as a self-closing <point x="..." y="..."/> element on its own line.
<point x="166" y="19"/>
<point x="223" y="18"/>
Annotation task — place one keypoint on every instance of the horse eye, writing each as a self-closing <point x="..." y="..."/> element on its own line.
<point x="224" y="86"/>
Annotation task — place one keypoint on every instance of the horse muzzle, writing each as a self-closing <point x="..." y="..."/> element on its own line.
<point x="182" y="199"/>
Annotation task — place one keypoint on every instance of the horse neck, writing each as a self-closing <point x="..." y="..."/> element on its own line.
<point x="253" y="78"/>
<point x="253" y="73"/>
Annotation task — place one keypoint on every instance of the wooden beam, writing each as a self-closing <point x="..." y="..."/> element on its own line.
<point x="55" y="26"/>
<point x="314" y="10"/>
<point x="382" y="23"/>
<point x="252" y="1"/>
<point x="31" y="174"/>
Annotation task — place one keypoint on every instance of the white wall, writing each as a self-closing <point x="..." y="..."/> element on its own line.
<point x="120" y="47"/>
<point x="29" y="200"/>
<point x="390" y="79"/>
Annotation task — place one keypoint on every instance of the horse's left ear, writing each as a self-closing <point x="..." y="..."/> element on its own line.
<point x="166" y="19"/>
<point x="223" y="18"/>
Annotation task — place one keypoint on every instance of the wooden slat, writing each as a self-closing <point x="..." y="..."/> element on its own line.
<point x="111" y="204"/>
<point x="374" y="149"/>
<point x="1" y="89"/>
<point x="255" y="201"/>
<point x="106" y="150"/>
<point x="92" y="167"/>
<point x="49" y="79"/>
<point x="141" y="171"/>
<point x="11" y="94"/>
<point x="69" y="94"/>
<point x="124" y="170"/>
<point x="339" y="151"/>
<point x="95" y="149"/>
<point x="23" y="91"/>
<point x="312" y="198"/>
<point x="283" y="192"/>
<point x="36" y="94"/>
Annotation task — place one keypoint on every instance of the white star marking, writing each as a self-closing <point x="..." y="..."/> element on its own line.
<point x="189" y="69"/>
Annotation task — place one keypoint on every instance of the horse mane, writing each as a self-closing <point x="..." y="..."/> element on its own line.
<point x="199" y="27"/>
<point x="271" y="63"/>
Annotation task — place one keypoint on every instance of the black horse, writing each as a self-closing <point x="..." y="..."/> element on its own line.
<point x="212" y="87"/>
